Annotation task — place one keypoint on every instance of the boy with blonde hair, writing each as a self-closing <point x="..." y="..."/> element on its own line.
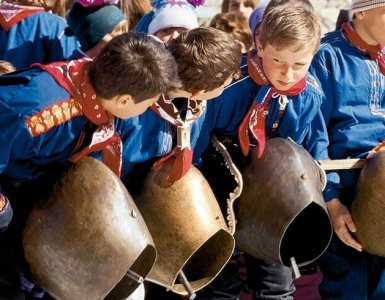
<point x="283" y="100"/>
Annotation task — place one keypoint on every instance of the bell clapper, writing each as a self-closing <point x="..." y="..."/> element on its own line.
<point x="134" y="276"/>
<point x="187" y="285"/>
<point x="294" y="266"/>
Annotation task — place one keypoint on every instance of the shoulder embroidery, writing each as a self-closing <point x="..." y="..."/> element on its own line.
<point x="52" y="116"/>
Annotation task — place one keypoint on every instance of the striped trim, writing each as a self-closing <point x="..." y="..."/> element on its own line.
<point x="362" y="5"/>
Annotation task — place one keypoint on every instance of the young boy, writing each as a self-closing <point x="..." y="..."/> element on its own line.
<point x="287" y="100"/>
<point x="207" y="61"/>
<point x="350" y="67"/>
<point x="61" y="112"/>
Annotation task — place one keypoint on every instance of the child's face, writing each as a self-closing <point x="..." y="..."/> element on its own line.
<point x="124" y="106"/>
<point x="203" y="95"/>
<point x="200" y="95"/>
<point x="285" y="67"/>
<point x="240" y="6"/>
<point x="167" y="34"/>
<point x="370" y="25"/>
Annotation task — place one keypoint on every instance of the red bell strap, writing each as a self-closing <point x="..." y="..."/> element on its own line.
<point x="182" y="152"/>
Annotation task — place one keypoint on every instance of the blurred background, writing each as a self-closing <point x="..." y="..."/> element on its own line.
<point x="327" y="10"/>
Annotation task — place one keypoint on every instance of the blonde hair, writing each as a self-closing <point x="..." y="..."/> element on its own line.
<point x="6" y="67"/>
<point x="290" y="23"/>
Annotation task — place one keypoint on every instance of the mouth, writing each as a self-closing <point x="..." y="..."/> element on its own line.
<point x="283" y="83"/>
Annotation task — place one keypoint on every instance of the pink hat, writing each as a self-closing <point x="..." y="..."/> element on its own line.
<point x="87" y="3"/>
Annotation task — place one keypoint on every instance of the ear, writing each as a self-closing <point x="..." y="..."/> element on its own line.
<point x="359" y="15"/>
<point x="123" y="100"/>
<point x="259" y="47"/>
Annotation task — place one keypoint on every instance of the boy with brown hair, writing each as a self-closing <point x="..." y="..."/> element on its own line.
<point x="56" y="113"/>
<point x="207" y="62"/>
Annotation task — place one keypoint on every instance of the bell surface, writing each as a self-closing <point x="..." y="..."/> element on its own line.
<point x="82" y="241"/>
<point x="281" y="213"/>
<point x="188" y="228"/>
<point x="368" y="207"/>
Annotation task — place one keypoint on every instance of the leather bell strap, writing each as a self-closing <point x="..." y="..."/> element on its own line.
<point x="182" y="156"/>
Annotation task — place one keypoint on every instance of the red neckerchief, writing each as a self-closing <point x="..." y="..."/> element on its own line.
<point x="182" y="151"/>
<point x="73" y="76"/>
<point x="11" y="14"/>
<point x="375" y="52"/>
<point x="254" y="120"/>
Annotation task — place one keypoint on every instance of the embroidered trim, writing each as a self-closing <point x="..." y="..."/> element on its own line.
<point x="52" y="116"/>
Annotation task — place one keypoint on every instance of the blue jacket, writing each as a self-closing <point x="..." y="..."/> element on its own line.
<point x="31" y="96"/>
<point x="353" y="107"/>
<point x="37" y="38"/>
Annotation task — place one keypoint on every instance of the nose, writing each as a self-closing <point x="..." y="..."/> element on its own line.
<point x="287" y="73"/>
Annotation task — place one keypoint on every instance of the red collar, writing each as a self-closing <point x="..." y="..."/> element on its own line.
<point x="374" y="52"/>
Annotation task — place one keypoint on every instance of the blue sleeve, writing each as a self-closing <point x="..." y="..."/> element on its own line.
<point x="60" y="46"/>
<point x="144" y="137"/>
<point x="224" y="113"/>
<point x="321" y="71"/>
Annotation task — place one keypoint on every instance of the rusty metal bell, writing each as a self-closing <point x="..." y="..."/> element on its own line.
<point x="368" y="207"/>
<point x="81" y="243"/>
<point x="281" y="213"/>
<point x="188" y="228"/>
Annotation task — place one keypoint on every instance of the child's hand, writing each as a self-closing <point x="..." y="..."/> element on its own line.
<point x="343" y="223"/>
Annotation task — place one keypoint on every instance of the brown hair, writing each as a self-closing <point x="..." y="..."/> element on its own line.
<point x="290" y="23"/>
<point x="134" y="10"/>
<point x="205" y="57"/>
<point x="235" y="24"/>
<point x="248" y="3"/>
<point x="6" y="67"/>
<point x="134" y="64"/>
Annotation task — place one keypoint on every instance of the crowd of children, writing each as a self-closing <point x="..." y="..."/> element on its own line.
<point x="123" y="81"/>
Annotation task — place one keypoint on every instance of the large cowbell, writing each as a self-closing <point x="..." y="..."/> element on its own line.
<point x="281" y="214"/>
<point x="88" y="241"/>
<point x="188" y="229"/>
<point x="368" y="207"/>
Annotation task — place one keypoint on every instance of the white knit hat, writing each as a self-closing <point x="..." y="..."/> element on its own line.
<point x="362" y="5"/>
<point x="174" y="14"/>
